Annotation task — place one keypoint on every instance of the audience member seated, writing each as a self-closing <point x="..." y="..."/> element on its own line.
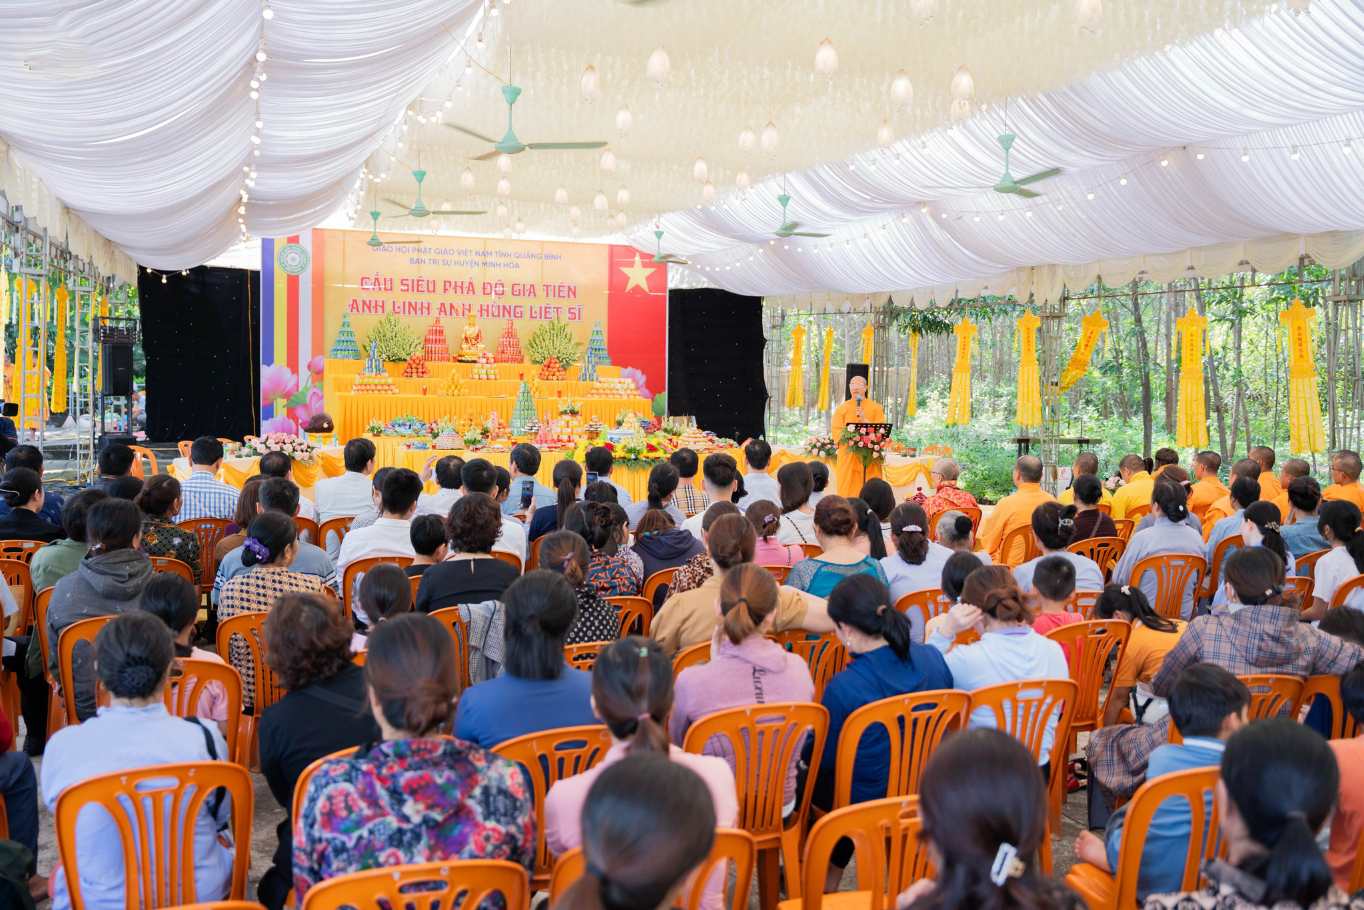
<point x="278" y="495"/>
<point x="134" y="653"/>
<point x="598" y="620"/>
<point x="391" y="533"/>
<point x="984" y="814"/>
<point x="61" y="557"/>
<point x="689" y="498"/>
<point x="1247" y="469"/>
<point x="1015" y="510"/>
<point x="1347" y="825"/>
<point x="955" y="571"/>
<point x="600" y="491"/>
<point x="647" y="825"/>
<point x="748" y="668"/>
<point x="470" y="574"/>
<point x="1259" y="631"/>
<point x="600" y="461"/>
<point x="202" y="494"/>
<point x="525" y="465"/>
<point x="539" y="690"/>
<point x="372" y="509"/>
<point x="448" y="471"/>
<point x="1169" y="535"/>
<point x="693" y="573"/>
<point x="107" y="582"/>
<point x="661" y="545"/>
<point x="662" y="490"/>
<point x="160" y="502"/>
<point x="22" y="491"/>
<point x="350" y="493"/>
<point x="1299" y="531"/>
<point x="1053" y="582"/>
<point x="1086" y="464"/>
<point x="1053" y="526"/>
<point x="612" y="568"/>
<point x="1277" y="789"/>
<point x="325" y="709"/>
<point x="835" y="528"/>
<point x="385" y="592"/>
<point x="758" y="484"/>
<point x="946" y="494"/>
<point x="917" y="561"/>
<point x="765" y="517"/>
<point x="568" y="485"/>
<point x="128" y="488"/>
<point x="1345" y="486"/>
<point x="27" y="456"/>
<point x="720" y="477"/>
<point x="481" y="476"/>
<point x="1243" y="492"/>
<point x="795" y="489"/>
<point x="1008" y="650"/>
<point x="277" y="464"/>
<point x="428" y="543"/>
<point x="1089" y="521"/>
<point x="115" y="461"/>
<point x="423" y="797"/>
<point x="869" y="539"/>
<point x="19" y="789"/>
<point x="270" y="549"/>
<point x="880" y="498"/>
<point x="1137" y="483"/>
<point x="1260" y="528"/>
<point x="690" y="618"/>
<point x="174" y="601"/>
<point x="1207" y="705"/>
<point x="1151" y="638"/>
<point x="1339" y="527"/>
<point x="1172" y="474"/>
<point x="235" y="532"/>
<point x="955" y="532"/>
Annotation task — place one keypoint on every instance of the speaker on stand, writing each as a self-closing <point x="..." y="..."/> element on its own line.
<point x="853" y="370"/>
<point x="116" y="337"/>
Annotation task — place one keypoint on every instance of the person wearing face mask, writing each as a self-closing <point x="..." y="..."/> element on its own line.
<point x="857" y="409"/>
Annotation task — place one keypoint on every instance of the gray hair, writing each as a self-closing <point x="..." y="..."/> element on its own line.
<point x="954" y="528"/>
<point x="948" y="468"/>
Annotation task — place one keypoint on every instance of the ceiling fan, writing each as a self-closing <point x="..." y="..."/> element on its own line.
<point x="668" y="259"/>
<point x="509" y="144"/>
<point x="418" y="209"/>
<point x="1007" y="183"/>
<point x="374" y="242"/>
<point x="788" y="227"/>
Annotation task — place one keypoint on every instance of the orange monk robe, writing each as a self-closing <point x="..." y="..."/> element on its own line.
<point x="1350" y="492"/>
<point x="1270" y="488"/>
<point x="1203" y="494"/>
<point x="1067" y="496"/>
<point x="848" y="468"/>
<point x="1136" y="492"/>
<point x="1013" y="511"/>
<point x="1216" y="512"/>
<point x="1282" y="504"/>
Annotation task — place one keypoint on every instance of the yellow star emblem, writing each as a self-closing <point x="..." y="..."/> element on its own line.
<point x="638" y="275"/>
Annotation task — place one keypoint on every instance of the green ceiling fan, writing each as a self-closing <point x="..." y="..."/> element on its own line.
<point x="509" y="144"/>
<point x="1007" y="183"/>
<point x="418" y="209"/>
<point x="668" y="259"/>
<point x="788" y="227"/>
<point x="374" y="242"/>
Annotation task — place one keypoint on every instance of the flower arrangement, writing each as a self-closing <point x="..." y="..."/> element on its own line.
<point x="567" y="406"/>
<point x="300" y="450"/>
<point x="821" y="447"/>
<point x="472" y="439"/>
<point x="375" y="428"/>
<point x="869" y="447"/>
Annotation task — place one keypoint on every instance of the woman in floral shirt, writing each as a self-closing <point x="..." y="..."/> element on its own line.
<point x="416" y="797"/>
<point x="598" y="620"/>
<point x="161" y="536"/>
<point x="612" y="569"/>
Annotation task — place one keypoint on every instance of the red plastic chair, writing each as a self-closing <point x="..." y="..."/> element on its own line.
<point x="424" y="886"/>
<point x="1174" y="572"/>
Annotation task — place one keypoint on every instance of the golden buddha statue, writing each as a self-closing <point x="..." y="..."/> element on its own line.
<point x="471" y="345"/>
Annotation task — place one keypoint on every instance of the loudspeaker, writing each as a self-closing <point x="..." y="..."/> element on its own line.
<point x="116" y="378"/>
<point x="111" y="439"/>
<point x="854" y="369"/>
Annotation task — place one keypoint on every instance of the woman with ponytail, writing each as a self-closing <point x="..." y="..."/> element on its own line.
<point x="160" y="502"/>
<point x="1053" y="525"/>
<point x="1153" y="636"/>
<point x="613" y="569"/>
<point x="869" y="538"/>
<point x="1168" y="535"/>
<point x="1260" y="528"/>
<point x="1277" y="789"/>
<point x="598" y="620"/>
<point x="1172" y="474"/>
<point x="22" y="491"/>
<point x="917" y="561"/>
<point x="632" y="694"/>
<point x="568" y="485"/>
<point x="647" y="825"/>
<point x="765" y="517"/>
<point x="746" y="667"/>
<point x="423" y="797"/>
<point x="663" y="481"/>
<point x="1338" y="524"/>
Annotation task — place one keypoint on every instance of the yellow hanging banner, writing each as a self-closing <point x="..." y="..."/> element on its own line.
<point x="1189" y="344"/>
<point x="868" y="336"/>
<point x="1304" y="401"/>
<point x="959" y="402"/>
<point x="795" y="384"/>
<point x="1092" y="327"/>
<point x="59" y="355"/>
<point x="822" y="402"/>
<point x="913" y="405"/>
<point x="1029" y="411"/>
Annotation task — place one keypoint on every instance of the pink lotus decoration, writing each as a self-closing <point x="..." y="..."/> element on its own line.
<point x="276" y="382"/>
<point x="311" y="406"/>
<point x="315" y="365"/>
<point x="639" y="380"/>
<point x="279" y="425"/>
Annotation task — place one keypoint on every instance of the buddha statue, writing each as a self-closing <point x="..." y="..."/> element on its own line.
<point x="471" y="344"/>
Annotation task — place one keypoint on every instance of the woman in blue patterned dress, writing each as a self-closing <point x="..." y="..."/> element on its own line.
<point x="835" y="528"/>
<point x="416" y="797"/>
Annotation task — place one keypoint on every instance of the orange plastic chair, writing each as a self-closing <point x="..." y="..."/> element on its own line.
<point x="890" y="851"/>
<point x="184" y="447"/>
<point x="972" y="512"/>
<point x="1103" y="551"/>
<point x="84" y="630"/>
<point x="22" y="550"/>
<point x="1083" y="602"/>
<point x="533" y="560"/>
<point x="56" y="712"/>
<point x="583" y="656"/>
<point x="17" y="575"/>
<point x="1089" y="647"/>
<point x="1125" y="527"/>
<point x="764" y="739"/>
<point x="1174" y="572"/>
<point x="1305" y="566"/>
<point x="1106" y="508"/>
<point x="209" y="532"/>
<point x="812" y="549"/>
<point x="1357" y="872"/>
<point x="690" y="657"/>
<point x="915" y="724"/>
<point x="1137" y="513"/>
<point x="1022" y="709"/>
<point x="1273" y="694"/>
<point x="1343" y="726"/>
<point x="510" y="559"/>
<point x="1302" y="586"/>
<point x="548" y="757"/>
<point x="636" y="614"/>
<point x="1018" y="546"/>
<point x="175" y="567"/>
<point x="223" y="905"/>
<point x="360" y="567"/>
<point x="824" y="654"/>
<point x="155" y="809"/>
<point x="732" y="846"/>
<point x="308" y="530"/>
<point x="458" y="627"/>
<point x="1219" y="555"/>
<point x="189" y="679"/>
<point x="779" y="573"/>
<point x="416" y="583"/>
<point x="459" y="883"/>
<point x="941" y="451"/>
<point x="338" y="526"/>
<point x="358" y="657"/>
<point x="250" y="627"/>
<point x="1194" y="789"/>
<point x="660" y="579"/>
<point x="1343" y="593"/>
<point x="930" y="602"/>
<point x="143" y="452"/>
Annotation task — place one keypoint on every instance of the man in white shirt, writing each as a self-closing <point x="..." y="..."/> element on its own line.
<point x="480" y="476"/>
<point x="391" y="533"/>
<point x="277" y="464"/>
<point x="447" y="472"/>
<point x="525" y="464"/>
<point x="720" y="476"/>
<point x="349" y="494"/>
<point x="600" y="460"/>
<point x="758" y="484"/>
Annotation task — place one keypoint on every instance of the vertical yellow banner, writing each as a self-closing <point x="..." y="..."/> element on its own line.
<point x="1304" y="401"/>
<point x="1029" y="410"/>
<point x="1192" y="416"/>
<point x="959" y="403"/>
<point x="795" y="384"/>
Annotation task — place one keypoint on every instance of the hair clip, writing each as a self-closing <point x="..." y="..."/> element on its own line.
<point x="567" y="559"/>
<point x="1272" y="526"/>
<point x="880" y="609"/>
<point x="256" y="547"/>
<point x="769" y="519"/>
<point x="915" y="528"/>
<point x="1007" y="865"/>
<point x="643" y="717"/>
<point x="643" y="652"/>
<point x="1127" y="591"/>
<point x="1064" y="523"/>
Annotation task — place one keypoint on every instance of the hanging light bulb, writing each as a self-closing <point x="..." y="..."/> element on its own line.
<point x="923" y="10"/>
<point x="621" y="220"/>
<point x="708" y="192"/>
<point x="266" y="11"/>
<point x="1299" y="6"/>
<point x="561" y="195"/>
<point x="479" y="42"/>
<point x="1347" y="148"/>
<point x="624" y="121"/>
<point x="961" y="109"/>
<point x="1245" y="153"/>
<point x="1088" y="14"/>
<point x="506" y="232"/>
<point x="608" y="162"/>
<point x="1295" y="154"/>
<point x="503" y="187"/>
<point x="658" y="67"/>
<point x="520" y="227"/>
<point x="741" y="180"/>
<point x="770" y="140"/>
<point x="501" y="210"/>
<point x="504" y="164"/>
<point x="885" y="136"/>
<point x="575" y="214"/>
<point x="746" y="140"/>
<point x="574" y="231"/>
<point x="622" y="197"/>
<point x="599" y="202"/>
<point x="963" y="86"/>
<point x="591" y="85"/>
<point x="826" y="59"/>
<point x="466" y="180"/>
<point x="901" y="90"/>
<point x="699" y="171"/>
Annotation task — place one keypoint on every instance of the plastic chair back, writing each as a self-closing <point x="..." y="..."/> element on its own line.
<point x="533" y="560"/>
<point x="143" y="453"/>
<point x="184" y="447"/>
<point x="1177" y="574"/>
<point x="1347" y="588"/>
<point x="250" y="627"/>
<point x="22" y="550"/>
<point x="812" y="549"/>
<point x="301" y="785"/>
<point x="1105" y="507"/>
<point x="458" y="627"/>
<point x="890" y="852"/>
<point x="636" y="614"/>
<point x="1090" y="646"/>
<point x="465" y="883"/>
<point x="583" y="656"/>
<point x="1124" y="527"/>
<point x="824" y="654"/>
<point x="548" y="757"/>
<point x="1103" y="551"/>
<point x="223" y="905"/>
<point x="209" y="531"/>
<point x="779" y="573"/>
<point x="732" y="846"/>
<point x="1302" y="586"/>
<point x="1343" y="726"/>
<point x="175" y="567"/>
<point x="17" y="575"/>
<point x="915" y="724"/>
<point x="930" y="602"/>
<point x="40" y="629"/>
<point x="1083" y="602"/>
<point x="1219" y="557"/>
<point x="1018" y="546"/>
<point x="155" y="810"/>
<point x="1273" y="694"/>
<point x="1137" y="513"/>
<point x="972" y="512"/>
<point x="355" y="569"/>
<point x="416" y="581"/>
<point x="338" y="526"/>
<point x="190" y="678"/>
<point x="690" y="657"/>
<point x="1305" y="566"/>
<point x="308" y="530"/>
<point x="660" y="579"/>
<point x="510" y="559"/>
<point x="84" y="630"/>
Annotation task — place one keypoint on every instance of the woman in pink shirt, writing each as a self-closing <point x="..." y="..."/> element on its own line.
<point x="765" y="517"/>
<point x="632" y="693"/>
<point x="746" y="668"/>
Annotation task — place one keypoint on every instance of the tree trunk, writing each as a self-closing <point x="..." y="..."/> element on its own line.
<point x="1173" y="301"/>
<point x="1144" y="359"/>
<point x="1212" y="374"/>
<point x="1115" y="332"/>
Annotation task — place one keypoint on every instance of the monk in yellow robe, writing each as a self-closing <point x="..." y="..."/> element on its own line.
<point x="1085" y="463"/>
<point x="1345" y="468"/>
<point x="1136" y="488"/>
<point x="1014" y="511"/>
<point x="1207" y="488"/>
<point x="1292" y="469"/>
<point x="1224" y="507"/>
<point x="857" y="409"/>
<point x="1270" y="488"/>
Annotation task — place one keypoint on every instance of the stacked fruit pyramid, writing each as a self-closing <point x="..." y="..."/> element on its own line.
<point x="484" y="367"/>
<point x="524" y="411"/>
<point x="454" y="385"/>
<point x="552" y="371"/>
<point x="437" y="350"/>
<point x="345" y="347"/>
<point x="373" y="380"/>
<point x="613" y="388"/>
<point x="416" y="368"/>
<point x="596" y="355"/>
<point x="508" y="346"/>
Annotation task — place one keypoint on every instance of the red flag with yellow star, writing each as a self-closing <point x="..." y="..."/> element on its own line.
<point x="637" y="314"/>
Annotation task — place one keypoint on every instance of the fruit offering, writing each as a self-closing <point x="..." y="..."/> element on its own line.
<point x="484" y="367"/>
<point x="416" y="368"/>
<point x="373" y="384"/>
<point x="614" y="388"/>
<point x="454" y="385"/>
<point x="552" y="371"/>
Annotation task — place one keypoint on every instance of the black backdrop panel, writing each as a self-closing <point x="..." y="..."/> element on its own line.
<point x="715" y="360"/>
<point x="202" y="348"/>
<point x="851" y="370"/>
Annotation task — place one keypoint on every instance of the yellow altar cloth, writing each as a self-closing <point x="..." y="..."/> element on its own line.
<point x="354" y="412"/>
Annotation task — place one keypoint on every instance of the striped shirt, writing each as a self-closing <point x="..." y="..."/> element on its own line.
<point x="203" y="496"/>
